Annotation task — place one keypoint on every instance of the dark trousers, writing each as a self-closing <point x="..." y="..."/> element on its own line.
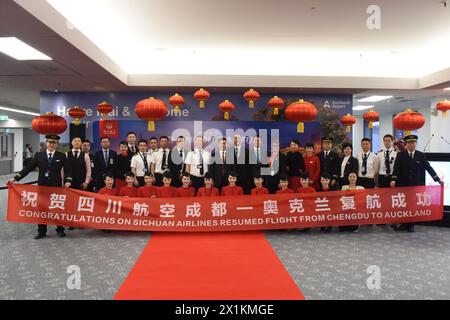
<point x="384" y="181"/>
<point x="141" y="181"/>
<point x="367" y="183"/>
<point x="158" y="179"/>
<point x="197" y="182"/>
<point x="42" y="228"/>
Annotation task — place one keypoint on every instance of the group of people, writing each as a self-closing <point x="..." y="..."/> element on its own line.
<point x="152" y="169"/>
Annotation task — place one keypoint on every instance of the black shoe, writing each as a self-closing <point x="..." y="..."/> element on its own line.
<point x="328" y="229"/>
<point x="410" y="229"/>
<point x="61" y="234"/>
<point x="40" y="236"/>
<point x="71" y="228"/>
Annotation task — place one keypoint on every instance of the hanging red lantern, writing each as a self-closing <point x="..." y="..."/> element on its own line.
<point x="408" y="121"/>
<point x="49" y="124"/>
<point x="251" y="96"/>
<point x="443" y="106"/>
<point x="276" y="104"/>
<point x="226" y="107"/>
<point x="104" y="108"/>
<point x="371" y="116"/>
<point x="300" y="111"/>
<point x="201" y="95"/>
<point x="176" y="101"/>
<point x="348" y="120"/>
<point x="151" y="109"/>
<point x="77" y="113"/>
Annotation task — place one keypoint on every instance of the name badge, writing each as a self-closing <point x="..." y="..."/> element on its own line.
<point x="92" y="165"/>
<point x="111" y="161"/>
<point x="272" y="173"/>
<point x="46" y="174"/>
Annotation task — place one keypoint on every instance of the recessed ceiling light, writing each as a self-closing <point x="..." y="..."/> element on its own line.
<point x="19" y="111"/>
<point x="446" y="89"/>
<point x="374" y="98"/>
<point x="19" y="50"/>
<point x="359" y="107"/>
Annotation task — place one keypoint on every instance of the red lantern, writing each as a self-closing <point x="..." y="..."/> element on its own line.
<point x="104" y="108"/>
<point x="151" y="109"/>
<point x="276" y="104"/>
<point x="49" y="124"/>
<point x="201" y="95"/>
<point x="443" y="106"/>
<point x="176" y="101"/>
<point x="251" y="96"/>
<point x="226" y="107"/>
<point x="300" y="111"/>
<point x="408" y="121"/>
<point x="371" y="116"/>
<point x="77" y="113"/>
<point x="348" y="120"/>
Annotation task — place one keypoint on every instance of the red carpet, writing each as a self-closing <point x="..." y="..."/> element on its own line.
<point x="209" y="266"/>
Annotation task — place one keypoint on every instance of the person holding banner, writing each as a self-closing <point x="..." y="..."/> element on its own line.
<point x="197" y="163"/>
<point x="255" y="160"/>
<point x="54" y="169"/>
<point x="149" y="190"/>
<point x="352" y="185"/>
<point x="166" y="191"/>
<point x="284" y="185"/>
<point x="140" y="163"/>
<point x="122" y="166"/>
<point x="129" y="190"/>
<point x="108" y="189"/>
<point x="258" y="189"/>
<point x="305" y="183"/>
<point x="232" y="189"/>
<point x="325" y="186"/>
<point x="160" y="160"/>
<point x="105" y="161"/>
<point x="208" y="190"/>
<point x="409" y="170"/>
<point x="240" y="165"/>
<point x="186" y="190"/>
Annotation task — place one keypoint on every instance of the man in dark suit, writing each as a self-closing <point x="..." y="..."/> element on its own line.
<point x="329" y="160"/>
<point x="219" y="165"/>
<point x="237" y="157"/>
<point x="409" y="170"/>
<point x="51" y="164"/>
<point x="104" y="162"/>
<point x="131" y="140"/>
<point x="177" y="155"/>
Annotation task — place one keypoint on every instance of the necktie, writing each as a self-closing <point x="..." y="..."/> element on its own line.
<point x="144" y="160"/>
<point x="387" y="163"/>
<point x="182" y="160"/>
<point x="133" y="149"/>
<point x="223" y="163"/>
<point x="235" y="155"/>
<point x="75" y="154"/>
<point x="106" y="158"/>
<point x="364" y="170"/>
<point x="326" y="155"/>
<point x="411" y="155"/>
<point x="164" y="160"/>
<point x="50" y="159"/>
<point x="257" y="156"/>
<point x="202" y="171"/>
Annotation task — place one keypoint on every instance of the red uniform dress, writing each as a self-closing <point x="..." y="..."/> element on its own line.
<point x="232" y="191"/>
<point x="119" y="183"/>
<point x="147" y="191"/>
<point x="109" y="192"/>
<point x="306" y="190"/>
<point x="261" y="190"/>
<point x="312" y="165"/>
<point x="207" y="192"/>
<point x="186" y="192"/>
<point x="167" y="192"/>
<point x="281" y="191"/>
<point x="127" y="191"/>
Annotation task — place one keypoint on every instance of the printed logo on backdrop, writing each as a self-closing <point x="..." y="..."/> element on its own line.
<point x="109" y="128"/>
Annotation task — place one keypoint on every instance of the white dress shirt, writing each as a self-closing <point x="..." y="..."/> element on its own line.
<point x="157" y="158"/>
<point x="344" y="163"/>
<point x="137" y="162"/>
<point x="193" y="160"/>
<point x="372" y="165"/>
<point x="381" y="160"/>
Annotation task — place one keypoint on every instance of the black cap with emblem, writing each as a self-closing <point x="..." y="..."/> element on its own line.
<point x="410" y="138"/>
<point x="327" y="138"/>
<point x="53" y="137"/>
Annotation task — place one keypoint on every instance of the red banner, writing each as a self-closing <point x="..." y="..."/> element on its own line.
<point x="67" y="207"/>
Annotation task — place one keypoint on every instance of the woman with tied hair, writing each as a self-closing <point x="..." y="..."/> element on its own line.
<point x="352" y="185"/>
<point x="295" y="164"/>
<point x="347" y="164"/>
